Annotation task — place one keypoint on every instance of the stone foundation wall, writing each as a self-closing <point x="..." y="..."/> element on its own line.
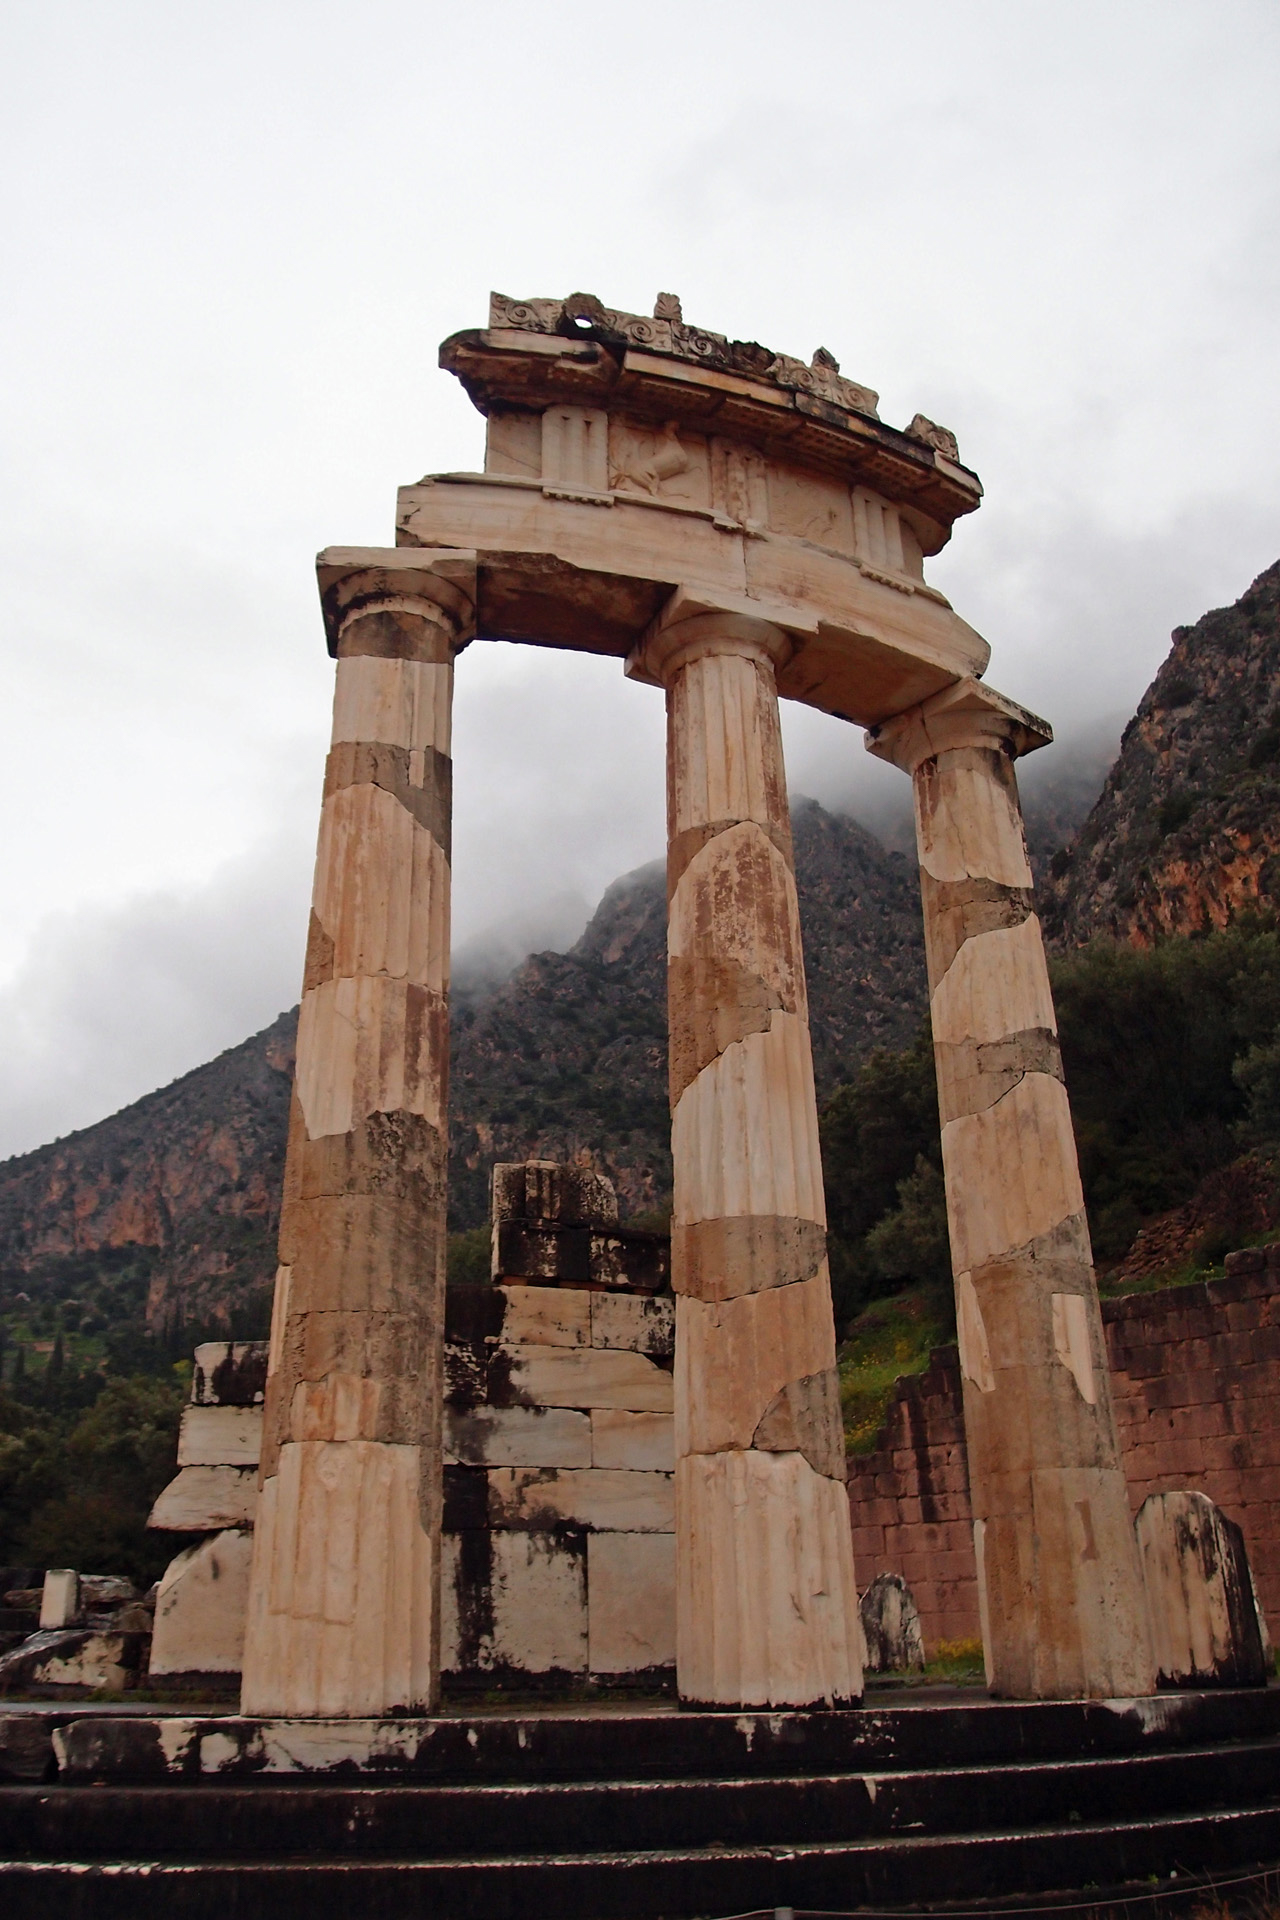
<point x="1196" y="1381"/>
<point x="1197" y="1387"/>
<point x="909" y="1503"/>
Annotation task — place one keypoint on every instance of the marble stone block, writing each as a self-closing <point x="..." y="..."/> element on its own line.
<point x="517" y="1437"/>
<point x="546" y="1316"/>
<point x="589" y="1377"/>
<point x="644" y="1442"/>
<point x="220" y="1437"/>
<point x="201" y="1605"/>
<point x="60" y="1600"/>
<point x="513" y="1603"/>
<point x="229" y="1373"/>
<point x="636" y="1322"/>
<point x="206" y="1499"/>
<point x="631" y="1588"/>
<point x="609" y="1499"/>
<point x="1205" y="1626"/>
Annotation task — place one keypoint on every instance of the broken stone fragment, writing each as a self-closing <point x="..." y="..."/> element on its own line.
<point x="201" y="1606"/>
<point x="1205" y="1625"/>
<point x="60" y="1599"/>
<point x="891" y="1626"/>
<point x="79" y="1658"/>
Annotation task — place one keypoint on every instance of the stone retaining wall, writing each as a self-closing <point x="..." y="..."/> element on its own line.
<point x="1196" y="1380"/>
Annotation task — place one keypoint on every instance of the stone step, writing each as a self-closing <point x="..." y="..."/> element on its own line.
<point x="440" y="1823"/>
<point x="635" y="1885"/>
<point x="608" y="1744"/>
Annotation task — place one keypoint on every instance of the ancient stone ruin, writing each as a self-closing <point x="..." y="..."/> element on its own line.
<point x="734" y="526"/>
<point x="559" y="1446"/>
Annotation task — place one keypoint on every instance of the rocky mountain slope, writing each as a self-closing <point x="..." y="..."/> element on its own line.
<point x="171" y="1204"/>
<point x="1187" y="829"/>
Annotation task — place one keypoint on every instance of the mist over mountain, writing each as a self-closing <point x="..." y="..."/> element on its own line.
<point x="568" y="1057"/>
<point x="167" y="1210"/>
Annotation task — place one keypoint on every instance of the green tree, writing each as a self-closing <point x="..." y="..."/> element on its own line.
<point x="910" y="1243"/>
<point x="1151" y="1039"/>
<point x="76" y="1489"/>
<point x="875" y="1131"/>
<point x="1172" y="1061"/>
<point x="469" y="1257"/>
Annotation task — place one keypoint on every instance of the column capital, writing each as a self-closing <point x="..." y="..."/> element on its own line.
<point x="694" y="623"/>
<point x="965" y="714"/>
<point x="437" y="584"/>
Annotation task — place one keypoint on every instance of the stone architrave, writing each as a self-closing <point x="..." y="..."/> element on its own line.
<point x="1060" y="1587"/>
<point x="1206" y="1629"/>
<point x="766" y="1607"/>
<point x="343" y="1604"/>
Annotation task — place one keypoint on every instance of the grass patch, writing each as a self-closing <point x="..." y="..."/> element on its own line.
<point x="1184" y="1276"/>
<point x="956" y="1660"/>
<point x="891" y="1339"/>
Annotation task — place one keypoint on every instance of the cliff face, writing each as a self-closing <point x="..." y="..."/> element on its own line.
<point x="173" y="1203"/>
<point x="183" y="1188"/>
<point x="1187" y="828"/>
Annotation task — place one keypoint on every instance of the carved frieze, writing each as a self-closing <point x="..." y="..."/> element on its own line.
<point x="810" y="506"/>
<point x="660" y="464"/>
<point x="882" y="539"/>
<point x="739" y="485"/>
<point x="575" y="450"/>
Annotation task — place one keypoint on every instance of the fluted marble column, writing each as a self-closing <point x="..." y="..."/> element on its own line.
<point x="766" y="1610"/>
<point x="1060" y="1586"/>
<point x="344" y="1599"/>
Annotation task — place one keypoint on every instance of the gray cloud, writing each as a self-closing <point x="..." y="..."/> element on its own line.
<point x="115" y="1000"/>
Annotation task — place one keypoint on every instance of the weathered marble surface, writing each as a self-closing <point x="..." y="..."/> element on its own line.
<point x="1060" y="1588"/>
<point x="766" y="1611"/>
<point x="201" y="1606"/>
<point x="891" y="1626"/>
<point x="1206" y="1628"/>
<point x="343" y="1606"/>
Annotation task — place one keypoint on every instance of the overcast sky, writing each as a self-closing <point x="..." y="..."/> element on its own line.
<point x="234" y="236"/>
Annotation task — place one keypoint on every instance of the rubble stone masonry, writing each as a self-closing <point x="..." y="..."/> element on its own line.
<point x="1195" y="1378"/>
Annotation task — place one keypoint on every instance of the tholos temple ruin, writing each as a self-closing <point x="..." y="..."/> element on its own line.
<point x="734" y="526"/>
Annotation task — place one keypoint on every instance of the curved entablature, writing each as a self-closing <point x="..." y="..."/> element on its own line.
<point x="627" y="459"/>
<point x="536" y="354"/>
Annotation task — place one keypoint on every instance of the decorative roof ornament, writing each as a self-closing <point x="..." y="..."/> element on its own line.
<point x="584" y="316"/>
<point x="930" y="434"/>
